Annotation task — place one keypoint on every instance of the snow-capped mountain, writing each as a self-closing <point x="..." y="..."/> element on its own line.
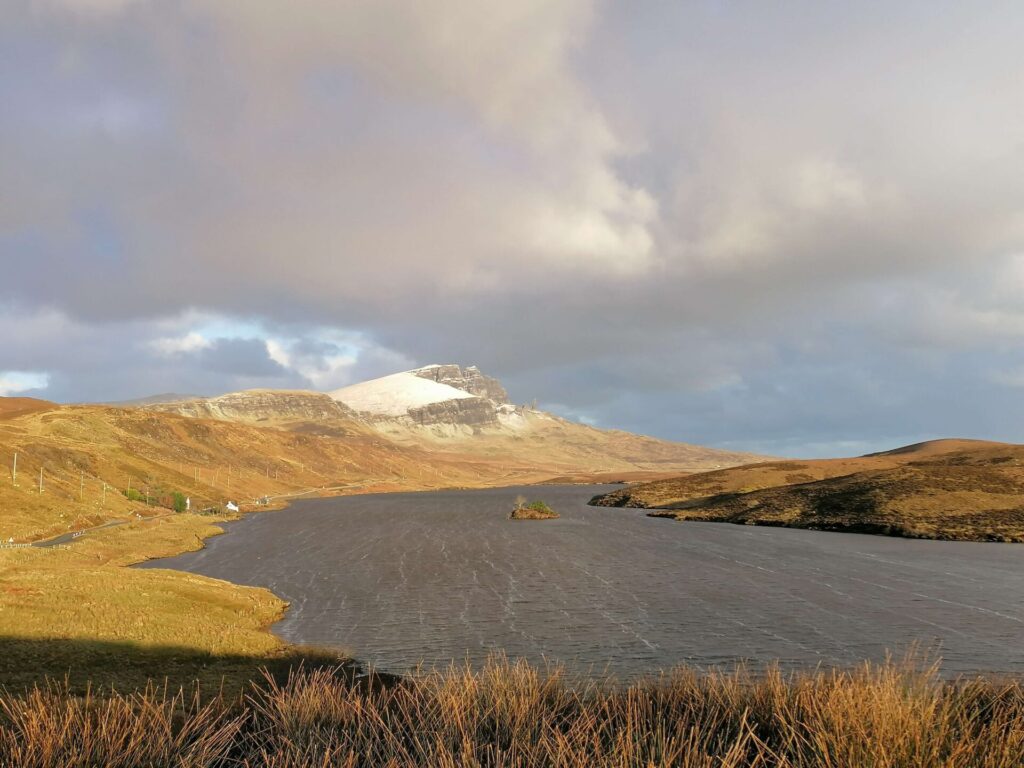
<point x="462" y="414"/>
<point x="446" y="399"/>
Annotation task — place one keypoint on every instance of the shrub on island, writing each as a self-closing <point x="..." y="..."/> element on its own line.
<point x="534" y="510"/>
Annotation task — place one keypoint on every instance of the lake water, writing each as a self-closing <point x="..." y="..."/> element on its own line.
<point x="404" y="578"/>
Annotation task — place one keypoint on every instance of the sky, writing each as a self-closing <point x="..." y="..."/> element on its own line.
<point x="795" y="228"/>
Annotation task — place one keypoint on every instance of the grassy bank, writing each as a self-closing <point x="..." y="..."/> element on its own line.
<point x="515" y="715"/>
<point x="956" y="490"/>
<point x="78" y="610"/>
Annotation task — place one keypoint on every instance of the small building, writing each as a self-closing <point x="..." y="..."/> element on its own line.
<point x="231" y="506"/>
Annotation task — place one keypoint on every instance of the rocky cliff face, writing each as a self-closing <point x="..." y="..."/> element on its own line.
<point x="270" y="407"/>
<point x="473" y="412"/>
<point x="468" y="379"/>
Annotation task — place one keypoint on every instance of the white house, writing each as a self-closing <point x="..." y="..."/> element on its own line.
<point x="231" y="506"/>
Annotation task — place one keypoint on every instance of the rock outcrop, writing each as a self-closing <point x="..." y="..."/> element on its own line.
<point x="263" y="406"/>
<point x="448" y="399"/>
<point x="470" y="412"/>
<point x="468" y="379"/>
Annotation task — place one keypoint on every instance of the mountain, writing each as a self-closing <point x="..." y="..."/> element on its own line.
<point x="89" y="455"/>
<point x="440" y="397"/>
<point x="164" y="397"/>
<point x="296" y="409"/>
<point x="460" y="410"/>
<point x="461" y="415"/>
<point x="944" y="489"/>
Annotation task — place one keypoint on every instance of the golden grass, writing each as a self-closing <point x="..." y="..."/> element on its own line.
<point x="959" y="490"/>
<point x="84" y="593"/>
<point x="61" y="608"/>
<point x="511" y="714"/>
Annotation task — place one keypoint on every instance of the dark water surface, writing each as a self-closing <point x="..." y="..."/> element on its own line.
<point x="403" y="578"/>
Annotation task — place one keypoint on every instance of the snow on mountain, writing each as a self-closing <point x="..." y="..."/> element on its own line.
<point x="396" y="394"/>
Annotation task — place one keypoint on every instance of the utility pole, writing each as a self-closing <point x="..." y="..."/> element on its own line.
<point x="40" y="480"/>
<point x="81" y="484"/>
<point x="104" y="502"/>
<point x="14" y="472"/>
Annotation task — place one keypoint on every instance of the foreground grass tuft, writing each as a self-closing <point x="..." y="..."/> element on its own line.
<point x="512" y="714"/>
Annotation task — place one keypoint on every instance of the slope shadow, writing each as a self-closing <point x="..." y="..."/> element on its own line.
<point x="102" y="665"/>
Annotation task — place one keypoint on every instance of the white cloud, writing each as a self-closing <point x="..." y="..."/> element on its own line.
<point x="13" y="382"/>
<point x="1013" y="377"/>
<point x="277" y="352"/>
<point x="825" y="184"/>
<point x="177" y="345"/>
<point x="97" y="7"/>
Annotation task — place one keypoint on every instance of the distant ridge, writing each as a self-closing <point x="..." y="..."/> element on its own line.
<point x="934" y="447"/>
<point x="168" y="397"/>
<point x="462" y="414"/>
<point x="16" y="406"/>
<point x="943" y="489"/>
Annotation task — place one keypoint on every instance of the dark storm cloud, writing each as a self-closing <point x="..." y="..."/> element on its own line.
<point x="793" y="227"/>
<point x="240" y="357"/>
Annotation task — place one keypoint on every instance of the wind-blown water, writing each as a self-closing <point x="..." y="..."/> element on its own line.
<point x="404" y="578"/>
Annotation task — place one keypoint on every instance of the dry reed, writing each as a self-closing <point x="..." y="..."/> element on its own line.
<point x="512" y="714"/>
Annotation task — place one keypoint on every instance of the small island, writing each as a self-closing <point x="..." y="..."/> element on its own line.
<point x="534" y="510"/>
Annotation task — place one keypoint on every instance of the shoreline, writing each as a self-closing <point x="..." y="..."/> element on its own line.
<point x="865" y="529"/>
<point x="284" y="504"/>
<point x="231" y="565"/>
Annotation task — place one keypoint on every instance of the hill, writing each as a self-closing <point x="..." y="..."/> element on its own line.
<point x="112" y="472"/>
<point x="669" y="491"/>
<point x="460" y="415"/>
<point x="19" y="406"/>
<point x="288" y="409"/>
<point x="948" y="489"/>
<point x="117" y="473"/>
<point x="463" y="412"/>
<point x="80" y="450"/>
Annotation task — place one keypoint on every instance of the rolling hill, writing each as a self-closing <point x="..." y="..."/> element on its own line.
<point x="115" y="472"/>
<point x="89" y="456"/>
<point x="460" y="415"/>
<point x="945" y="489"/>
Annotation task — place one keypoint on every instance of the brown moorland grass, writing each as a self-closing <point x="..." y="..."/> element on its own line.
<point x="512" y="714"/>
<point x="55" y="602"/>
<point x="662" y="492"/>
<point x="948" y="489"/>
<point x="83" y="593"/>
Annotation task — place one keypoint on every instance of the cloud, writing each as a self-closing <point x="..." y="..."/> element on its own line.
<point x="240" y="357"/>
<point x="190" y="342"/>
<point x="15" y="382"/>
<point x="195" y="353"/>
<point x="653" y="214"/>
